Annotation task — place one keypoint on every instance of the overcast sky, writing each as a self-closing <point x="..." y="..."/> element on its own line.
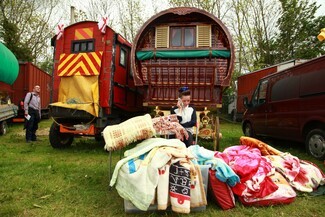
<point x="321" y="10"/>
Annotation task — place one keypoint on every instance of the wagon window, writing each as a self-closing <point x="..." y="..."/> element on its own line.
<point x="176" y="37"/>
<point x="182" y="36"/>
<point x="76" y="47"/>
<point x="123" y="57"/>
<point x="189" y="37"/>
<point x="82" y="46"/>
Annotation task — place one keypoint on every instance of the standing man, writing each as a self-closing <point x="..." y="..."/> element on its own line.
<point x="32" y="107"/>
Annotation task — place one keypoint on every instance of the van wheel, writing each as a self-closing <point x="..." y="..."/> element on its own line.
<point x="3" y="128"/>
<point x="315" y="143"/>
<point x="248" y="130"/>
<point x="59" y="140"/>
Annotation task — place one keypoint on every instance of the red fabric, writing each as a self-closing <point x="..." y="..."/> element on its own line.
<point x="283" y="195"/>
<point x="220" y="192"/>
<point x="253" y="169"/>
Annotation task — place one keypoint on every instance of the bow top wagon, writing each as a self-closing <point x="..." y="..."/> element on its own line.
<point x="183" y="47"/>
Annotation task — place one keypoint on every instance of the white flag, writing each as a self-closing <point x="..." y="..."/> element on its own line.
<point x="102" y="24"/>
<point x="59" y="31"/>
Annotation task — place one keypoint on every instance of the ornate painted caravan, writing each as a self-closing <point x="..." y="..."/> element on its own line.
<point x="183" y="47"/>
<point x="93" y="85"/>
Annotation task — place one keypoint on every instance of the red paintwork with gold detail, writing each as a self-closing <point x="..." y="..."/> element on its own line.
<point x="161" y="68"/>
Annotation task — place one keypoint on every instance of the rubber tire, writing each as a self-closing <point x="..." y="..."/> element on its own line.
<point x="315" y="143"/>
<point x="248" y="130"/>
<point x="59" y="140"/>
<point x="3" y="128"/>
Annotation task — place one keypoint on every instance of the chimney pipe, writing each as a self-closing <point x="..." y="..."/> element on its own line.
<point x="72" y="15"/>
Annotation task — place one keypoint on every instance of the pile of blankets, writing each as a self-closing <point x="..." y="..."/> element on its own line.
<point x="165" y="172"/>
<point x="266" y="175"/>
<point x="160" y="171"/>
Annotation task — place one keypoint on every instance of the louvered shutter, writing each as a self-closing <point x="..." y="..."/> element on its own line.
<point x="162" y="37"/>
<point x="203" y="35"/>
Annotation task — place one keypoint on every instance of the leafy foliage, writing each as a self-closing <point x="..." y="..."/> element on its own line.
<point x="11" y="38"/>
<point x="297" y="31"/>
<point x="25" y="27"/>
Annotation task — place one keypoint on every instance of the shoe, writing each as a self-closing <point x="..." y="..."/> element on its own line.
<point x="28" y="141"/>
<point x="34" y="140"/>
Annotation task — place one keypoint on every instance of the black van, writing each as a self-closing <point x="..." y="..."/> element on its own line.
<point x="290" y="104"/>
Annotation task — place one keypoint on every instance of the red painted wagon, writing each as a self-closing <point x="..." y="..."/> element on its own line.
<point x="92" y="82"/>
<point x="183" y="47"/>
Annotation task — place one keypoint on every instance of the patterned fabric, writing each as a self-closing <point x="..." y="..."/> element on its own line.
<point x="283" y="195"/>
<point x="137" y="128"/>
<point x="179" y="188"/>
<point x="168" y="125"/>
<point x="163" y="183"/>
<point x="301" y="175"/>
<point x="198" y="194"/>
<point x="253" y="169"/>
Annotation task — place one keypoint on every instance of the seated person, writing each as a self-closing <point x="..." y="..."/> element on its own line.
<point x="186" y="114"/>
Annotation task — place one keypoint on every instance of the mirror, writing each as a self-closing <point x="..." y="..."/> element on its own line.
<point x="246" y="103"/>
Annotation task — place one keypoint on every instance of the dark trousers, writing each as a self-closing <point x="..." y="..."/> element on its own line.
<point x="189" y="141"/>
<point x="32" y="124"/>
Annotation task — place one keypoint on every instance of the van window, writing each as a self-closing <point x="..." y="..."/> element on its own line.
<point x="259" y="95"/>
<point x="285" y="88"/>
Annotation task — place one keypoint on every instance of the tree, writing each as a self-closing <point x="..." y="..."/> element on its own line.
<point x="25" y="27"/>
<point x="131" y="17"/>
<point x="10" y="37"/>
<point x="98" y="9"/>
<point x="295" y="24"/>
<point x="254" y="25"/>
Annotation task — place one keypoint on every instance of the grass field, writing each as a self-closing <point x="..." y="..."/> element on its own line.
<point x="37" y="180"/>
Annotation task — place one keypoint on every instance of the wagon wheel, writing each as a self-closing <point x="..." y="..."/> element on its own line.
<point x="216" y="136"/>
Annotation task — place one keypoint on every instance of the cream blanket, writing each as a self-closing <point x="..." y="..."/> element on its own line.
<point x="136" y="176"/>
<point x="120" y="135"/>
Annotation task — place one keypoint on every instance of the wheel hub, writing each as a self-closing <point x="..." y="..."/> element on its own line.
<point x="317" y="145"/>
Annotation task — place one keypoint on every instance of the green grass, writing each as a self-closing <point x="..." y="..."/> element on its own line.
<point x="37" y="180"/>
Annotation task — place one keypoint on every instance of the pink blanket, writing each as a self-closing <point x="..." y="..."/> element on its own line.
<point x="253" y="169"/>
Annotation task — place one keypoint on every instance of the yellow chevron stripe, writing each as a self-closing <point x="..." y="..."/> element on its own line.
<point x="78" y="36"/>
<point x="75" y="70"/>
<point x="70" y="64"/>
<point x="89" y="32"/>
<point x="84" y="33"/>
<point x="94" y="65"/>
<point x="96" y="57"/>
<point x="91" y="64"/>
<point x="65" y="61"/>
